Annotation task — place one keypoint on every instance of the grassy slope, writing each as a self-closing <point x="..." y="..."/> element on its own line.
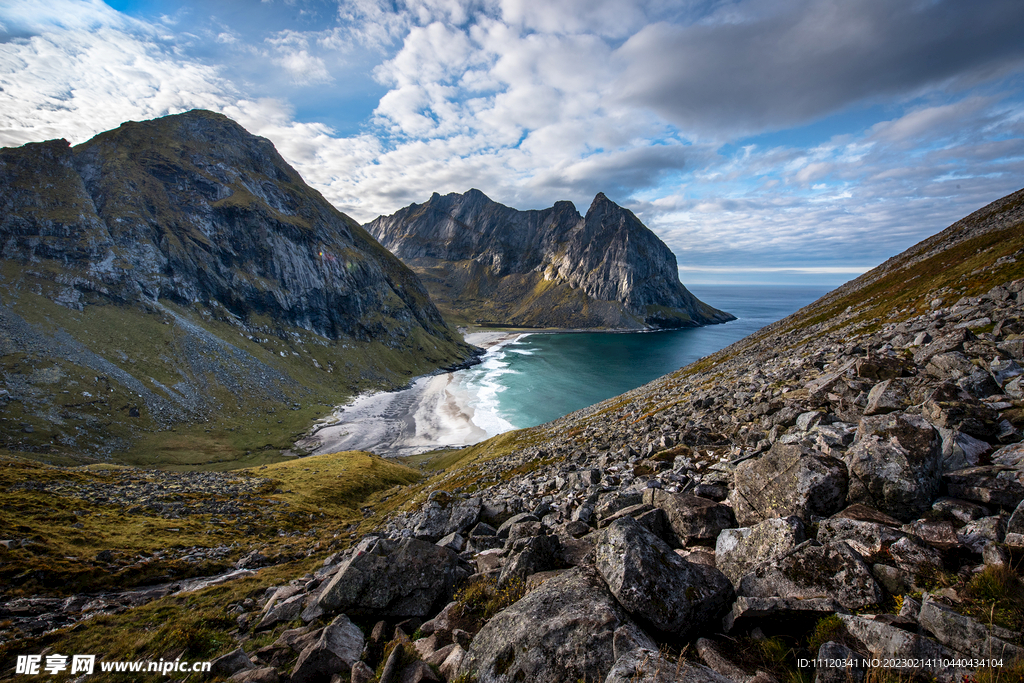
<point x="63" y="514"/>
<point x="240" y="422"/>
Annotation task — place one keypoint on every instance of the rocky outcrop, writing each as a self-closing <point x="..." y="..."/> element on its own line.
<point x="485" y="262"/>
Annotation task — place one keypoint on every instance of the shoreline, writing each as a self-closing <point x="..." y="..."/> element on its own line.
<point x="433" y="412"/>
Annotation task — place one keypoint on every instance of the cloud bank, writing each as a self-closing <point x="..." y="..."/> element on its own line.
<point x="768" y="133"/>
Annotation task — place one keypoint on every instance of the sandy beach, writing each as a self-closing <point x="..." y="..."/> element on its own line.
<point x="436" y="411"/>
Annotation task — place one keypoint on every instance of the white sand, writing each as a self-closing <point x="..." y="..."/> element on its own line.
<point x="434" y="412"/>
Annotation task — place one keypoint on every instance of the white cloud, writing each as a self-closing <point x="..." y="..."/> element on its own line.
<point x="533" y="103"/>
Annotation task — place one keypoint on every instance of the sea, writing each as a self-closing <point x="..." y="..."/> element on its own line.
<point x="540" y="377"/>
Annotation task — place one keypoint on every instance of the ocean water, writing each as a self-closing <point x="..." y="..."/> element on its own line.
<point x="540" y="377"/>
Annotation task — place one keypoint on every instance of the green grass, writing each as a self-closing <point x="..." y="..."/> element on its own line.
<point x="305" y="505"/>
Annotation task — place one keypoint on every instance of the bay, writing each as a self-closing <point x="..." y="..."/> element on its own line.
<point x="528" y="379"/>
<point x="540" y="377"/>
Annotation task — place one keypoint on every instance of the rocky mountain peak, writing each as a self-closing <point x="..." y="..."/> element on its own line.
<point x="486" y="262"/>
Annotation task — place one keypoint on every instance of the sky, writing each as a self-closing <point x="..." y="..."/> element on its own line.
<point x="765" y="141"/>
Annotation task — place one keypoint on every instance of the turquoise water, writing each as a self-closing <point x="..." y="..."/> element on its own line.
<point x="541" y="377"/>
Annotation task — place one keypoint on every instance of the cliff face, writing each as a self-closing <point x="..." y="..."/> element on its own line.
<point x="193" y="208"/>
<point x="194" y="221"/>
<point x="486" y="262"/>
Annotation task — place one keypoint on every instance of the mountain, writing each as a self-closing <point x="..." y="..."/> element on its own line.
<point x="845" y="485"/>
<point x="175" y="270"/>
<point x="486" y="263"/>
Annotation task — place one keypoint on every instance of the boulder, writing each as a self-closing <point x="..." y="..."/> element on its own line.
<point x="966" y="635"/>
<point x="691" y="519"/>
<point x="813" y="571"/>
<point x="1015" y="527"/>
<point x="444" y="514"/>
<point x="412" y="578"/>
<point x="264" y="674"/>
<point x="712" y="656"/>
<point x="418" y="672"/>
<point x="232" y="663"/>
<point x="960" y="450"/>
<point x="918" y="563"/>
<point x="883" y="641"/>
<point x="562" y="631"/>
<point x="507" y="525"/>
<point x="895" y="464"/>
<point x="986" y="484"/>
<point x="788" y="480"/>
<point x="649" y="666"/>
<point x="870" y="540"/>
<point x="886" y="397"/>
<point x="738" y="551"/>
<point x="654" y="584"/>
<point x="283" y="611"/>
<point x="335" y="651"/>
<point x="528" y="556"/>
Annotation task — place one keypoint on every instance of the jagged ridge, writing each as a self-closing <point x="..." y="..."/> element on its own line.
<point x="485" y="262"/>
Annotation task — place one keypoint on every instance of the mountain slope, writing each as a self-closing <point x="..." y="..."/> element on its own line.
<point x="742" y="481"/>
<point x="194" y="244"/>
<point x="487" y="263"/>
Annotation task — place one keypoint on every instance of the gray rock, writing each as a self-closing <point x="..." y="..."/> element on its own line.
<point x="649" y="666"/>
<point x="264" y="674"/>
<point x="895" y="464"/>
<point x="1005" y="370"/>
<point x="983" y="532"/>
<point x="529" y="556"/>
<point x="738" y="551"/>
<point x="691" y="518"/>
<point x="335" y="651"/>
<point x="887" y="396"/>
<point x="952" y="366"/>
<point x="629" y="637"/>
<point x="361" y="673"/>
<point x="966" y="635"/>
<point x="507" y="525"/>
<point x="411" y="579"/>
<point x="882" y="641"/>
<point x="960" y="450"/>
<point x="788" y="480"/>
<point x="986" y="484"/>
<point x="453" y="542"/>
<point x="918" y="562"/>
<point x="232" y="663"/>
<point x="719" y="663"/>
<point x="418" y="672"/>
<point x="870" y="540"/>
<point x="444" y="514"/>
<point x="814" y="571"/>
<point x="449" y="668"/>
<point x="654" y="584"/>
<point x="284" y="611"/>
<point x="562" y="631"/>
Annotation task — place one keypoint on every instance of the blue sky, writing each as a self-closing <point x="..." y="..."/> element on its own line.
<point x="773" y="141"/>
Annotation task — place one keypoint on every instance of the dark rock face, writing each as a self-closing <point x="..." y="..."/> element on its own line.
<point x="833" y="570"/>
<point x="548" y="268"/>
<point x="789" y="480"/>
<point x="193" y="208"/>
<point x="410" y="579"/>
<point x="895" y="464"/>
<point x="563" y="631"/>
<point x="656" y="585"/>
